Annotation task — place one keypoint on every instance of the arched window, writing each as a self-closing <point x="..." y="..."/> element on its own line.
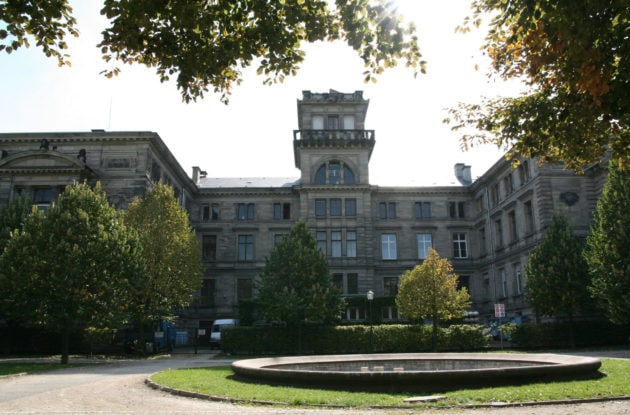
<point x="334" y="172"/>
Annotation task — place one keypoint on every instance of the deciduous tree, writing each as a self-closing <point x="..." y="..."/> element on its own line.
<point x="295" y="283"/>
<point x="206" y="44"/>
<point x="46" y="22"/>
<point x="70" y="269"/>
<point x="12" y="217"/>
<point x="171" y="256"/>
<point x="575" y="58"/>
<point x="608" y="246"/>
<point x="557" y="275"/>
<point x="429" y="291"/>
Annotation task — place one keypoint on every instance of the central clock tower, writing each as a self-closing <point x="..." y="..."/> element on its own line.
<point x="332" y="146"/>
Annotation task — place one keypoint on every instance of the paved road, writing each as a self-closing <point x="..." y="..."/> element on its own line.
<point x="118" y="388"/>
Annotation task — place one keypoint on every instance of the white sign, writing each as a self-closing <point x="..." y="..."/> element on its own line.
<point x="201" y="332"/>
<point x="499" y="310"/>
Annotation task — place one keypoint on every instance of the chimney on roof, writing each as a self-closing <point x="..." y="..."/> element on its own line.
<point x="195" y="174"/>
<point x="463" y="174"/>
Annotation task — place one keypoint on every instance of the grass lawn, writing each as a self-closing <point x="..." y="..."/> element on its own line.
<point x="218" y="382"/>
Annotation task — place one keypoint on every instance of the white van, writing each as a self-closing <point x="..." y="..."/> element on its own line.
<point x="217" y="326"/>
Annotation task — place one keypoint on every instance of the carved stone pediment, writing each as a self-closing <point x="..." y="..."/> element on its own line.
<point x="40" y="161"/>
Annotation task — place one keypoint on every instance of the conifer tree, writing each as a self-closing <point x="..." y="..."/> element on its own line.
<point x="608" y="246"/>
<point x="557" y="275"/>
<point x="295" y="283"/>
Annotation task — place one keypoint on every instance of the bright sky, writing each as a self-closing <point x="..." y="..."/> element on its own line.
<point x="252" y="136"/>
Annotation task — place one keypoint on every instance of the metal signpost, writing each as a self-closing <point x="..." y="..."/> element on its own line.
<point x="499" y="312"/>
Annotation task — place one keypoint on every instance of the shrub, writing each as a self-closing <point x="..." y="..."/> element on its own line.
<point x="398" y="338"/>
<point x="554" y="335"/>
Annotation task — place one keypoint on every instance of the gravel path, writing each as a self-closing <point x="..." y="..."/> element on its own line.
<point x="118" y="388"/>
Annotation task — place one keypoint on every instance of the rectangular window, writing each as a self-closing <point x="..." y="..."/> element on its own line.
<point x="353" y="283"/>
<point x="351" y="244"/>
<point x="494" y="194"/>
<point x="498" y="232"/>
<point x="321" y="237"/>
<point x="205" y="212"/>
<point x="245" y="211"/>
<point x="335" y="244"/>
<point x="388" y="246"/>
<point x="215" y="211"/>
<point x="244" y="289"/>
<point x="281" y="211"/>
<point x="523" y="172"/>
<point x="517" y="279"/>
<point x="456" y="210"/>
<point x="43" y="197"/>
<point x="513" y="228"/>
<point x="504" y="290"/>
<point x="338" y="281"/>
<point x="424" y="243"/>
<point x="335" y="207"/>
<point x="508" y="184"/>
<point x="390" y="286"/>
<point x="206" y="293"/>
<point x="351" y="207"/>
<point x="286" y="211"/>
<point x="422" y="210"/>
<point x="529" y="217"/>
<point x="333" y="122"/>
<point x="387" y="210"/>
<point x="391" y="209"/>
<point x="246" y="247"/>
<point x="463" y="282"/>
<point x="277" y="211"/>
<point x="482" y="239"/>
<point x="382" y="210"/>
<point x="348" y="122"/>
<point x="320" y="207"/>
<point x="460" y="245"/>
<point x="318" y="122"/>
<point x="209" y="247"/>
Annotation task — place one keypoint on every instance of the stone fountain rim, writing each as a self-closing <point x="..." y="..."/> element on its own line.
<point x="543" y="359"/>
<point x="542" y="365"/>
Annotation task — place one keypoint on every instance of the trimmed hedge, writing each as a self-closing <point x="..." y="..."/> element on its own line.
<point x="313" y="339"/>
<point x="556" y="335"/>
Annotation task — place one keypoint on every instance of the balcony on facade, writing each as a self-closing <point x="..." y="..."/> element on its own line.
<point x="336" y="135"/>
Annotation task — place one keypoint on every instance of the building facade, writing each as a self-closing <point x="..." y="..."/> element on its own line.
<point x="370" y="234"/>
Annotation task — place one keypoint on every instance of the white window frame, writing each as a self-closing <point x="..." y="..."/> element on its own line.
<point x="335" y="244"/>
<point x="388" y="246"/>
<point x="460" y="239"/>
<point x="351" y="244"/>
<point x="425" y="241"/>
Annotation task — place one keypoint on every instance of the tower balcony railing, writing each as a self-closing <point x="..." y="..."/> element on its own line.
<point x="358" y="135"/>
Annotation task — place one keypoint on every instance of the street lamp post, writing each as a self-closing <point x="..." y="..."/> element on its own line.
<point x="370" y="298"/>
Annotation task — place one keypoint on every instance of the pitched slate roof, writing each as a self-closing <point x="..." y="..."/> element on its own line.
<point x="247" y="182"/>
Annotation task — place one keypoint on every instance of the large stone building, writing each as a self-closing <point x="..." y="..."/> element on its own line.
<point x="370" y="234"/>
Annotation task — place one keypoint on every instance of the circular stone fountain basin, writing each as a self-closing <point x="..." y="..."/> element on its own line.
<point x="417" y="371"/>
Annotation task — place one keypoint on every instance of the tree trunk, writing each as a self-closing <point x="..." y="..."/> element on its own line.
<point x="142" y="348"/>
<point x="434" y="335"/>
<point x="571" y="332"/>
<point x="65" y="345"/>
